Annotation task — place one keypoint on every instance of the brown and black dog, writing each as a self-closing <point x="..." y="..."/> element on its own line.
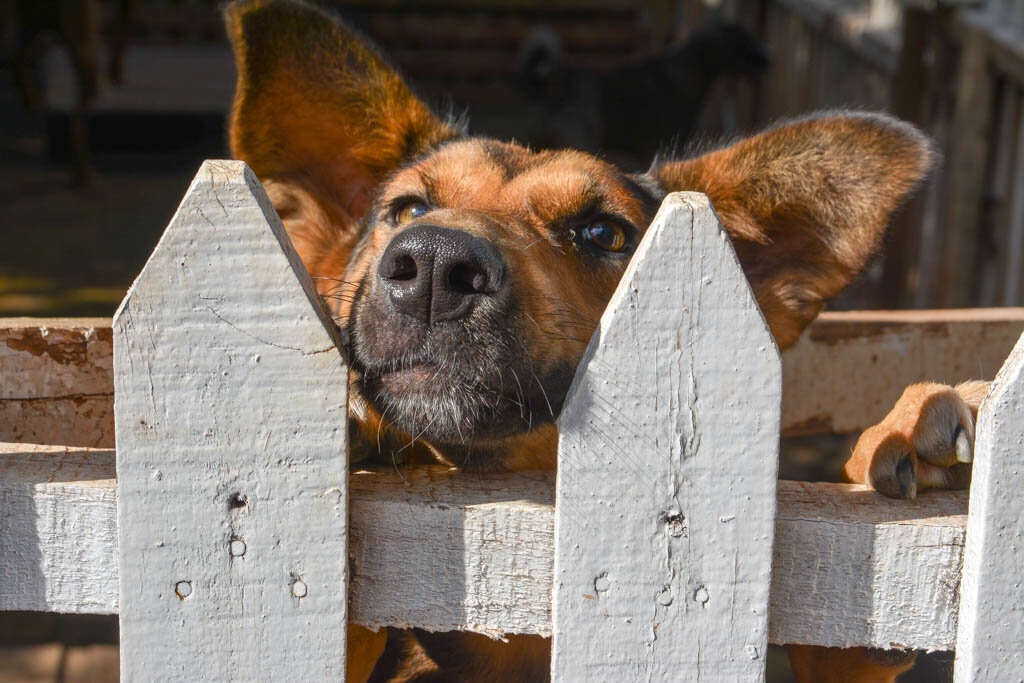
<point x="470" y="273"/>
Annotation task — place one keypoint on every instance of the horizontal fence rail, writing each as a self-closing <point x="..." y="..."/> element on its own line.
<point x="224" y="534"/>
<point x="59" y="384"/>
<point x="441" y="550"/>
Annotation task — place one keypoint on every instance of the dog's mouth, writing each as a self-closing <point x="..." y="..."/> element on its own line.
<point x="459" y="395"/>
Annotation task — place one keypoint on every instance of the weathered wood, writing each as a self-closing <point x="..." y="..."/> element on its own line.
<point x="1003" y="43"/>
<point x="445" y="552"/>
<point x="441" y="550"/>
<point x="913" y="76"/>
<point x="56" y="381"/>
<point x="854" y="568"/>
<point x="231" y="424"/>
<point x="58" y="529"/>
<point x="965" y="171"/>
<point x="825" y="388"/>
<point x="848" y="369"/>
<point x="990" y="640"/>
<point x="668" y="446"/>
<point x="1014" y="274"/>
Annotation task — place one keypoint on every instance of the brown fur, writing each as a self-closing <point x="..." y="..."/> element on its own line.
<point x="301" y="74"/>
<point x="342" y="144"/>
<point x="918" y="433"/>
<point x="806" y="204"/>
<point x="835" y="665"/>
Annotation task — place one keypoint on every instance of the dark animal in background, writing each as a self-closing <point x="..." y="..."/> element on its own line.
<point x="636" y="108"/>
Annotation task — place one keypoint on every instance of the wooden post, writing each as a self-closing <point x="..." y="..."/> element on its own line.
<point x="990" y="632"/>
<point x="230" y="419"/>
<point x="965" y="172"/>
<point x="667" y="466"/>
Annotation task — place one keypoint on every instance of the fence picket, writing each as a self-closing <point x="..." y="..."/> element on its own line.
<point x="990" y="632"/>
<point x="668" y="452"/>
<point x="230" y="419"/>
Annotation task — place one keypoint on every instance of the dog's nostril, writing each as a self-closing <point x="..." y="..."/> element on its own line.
<point x="466" y="279"/>
<point x="402" y="268"/>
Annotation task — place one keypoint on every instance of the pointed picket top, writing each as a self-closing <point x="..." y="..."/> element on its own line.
<point x="990" y="632"/>
<point x="231" y="426"/>
<point x="668" y="454"/>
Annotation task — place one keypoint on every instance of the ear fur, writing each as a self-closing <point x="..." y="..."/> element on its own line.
<point x="321" y="118"/>
<point x="807" y="203"/>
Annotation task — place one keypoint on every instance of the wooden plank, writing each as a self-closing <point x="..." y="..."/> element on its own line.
<point x="825" y="387"/>
<point x="231" y="424"/>
<point x="668" y="454"/>
<point x="444" y="550"/>
<point x="1004" y="44"/>
<point x="910" y="87"/>
<point x="1015" y="243"/>
<point x="848" y="369"/>
<point x="57" y="381"/>
<point x="965" y="171"/>
<point x="849" y="27"/>
<point x="883" y="573"/>
<point x="58" y="529"/>
<point x="475" y="551"/>
<point x="990" y="640"/>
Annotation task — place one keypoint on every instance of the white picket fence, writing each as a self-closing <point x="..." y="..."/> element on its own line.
<point x="234" y="531"/>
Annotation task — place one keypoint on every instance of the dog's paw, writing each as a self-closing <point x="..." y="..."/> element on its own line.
<point x="926" y="441"/>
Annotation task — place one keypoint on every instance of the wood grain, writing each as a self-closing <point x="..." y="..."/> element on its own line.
<point x="667" y="461"/>
<point x="843" y="375"/>
<point x="231" y="423"/>
<point x="57" y="381"/>
<point x="848" y="369"/>
<point x="444" y="550"/>
<point x="990" y="642"/>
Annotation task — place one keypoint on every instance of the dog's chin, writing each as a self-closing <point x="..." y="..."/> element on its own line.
<point x="440" y="408"/>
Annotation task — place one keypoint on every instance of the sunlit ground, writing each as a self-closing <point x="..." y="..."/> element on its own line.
<point x="67" y="250"/>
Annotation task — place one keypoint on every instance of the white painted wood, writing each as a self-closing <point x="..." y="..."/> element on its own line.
<point x="668" y="446"/>
<point x="990" y="640"/>
<point x="445" y="552"/>
<point x="230" y="417"/>
<point x="58" y="529"/>
<point x="440" y="550"/>
<point x="853" y="568"/>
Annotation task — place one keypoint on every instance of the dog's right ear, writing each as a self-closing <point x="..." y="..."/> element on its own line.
<point x="322" y="119"/>
<point x="806" y="204"/>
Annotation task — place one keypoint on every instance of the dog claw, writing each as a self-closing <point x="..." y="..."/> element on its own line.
<point x="964" y="450"/>
<point x="906" y="477"/>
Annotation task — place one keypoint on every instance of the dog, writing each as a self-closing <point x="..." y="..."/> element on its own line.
<point x="596" y="110"/>
<point x="470" y="273"/>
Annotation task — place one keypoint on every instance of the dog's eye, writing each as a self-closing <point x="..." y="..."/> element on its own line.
<point x="605" y="235"/>
<point x="409" y="210"/>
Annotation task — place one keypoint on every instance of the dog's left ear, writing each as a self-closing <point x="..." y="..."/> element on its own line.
<point x="321" y="118"/>
<point x="806" y="204"/>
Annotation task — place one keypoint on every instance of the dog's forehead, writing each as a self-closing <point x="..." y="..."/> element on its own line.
<point x="488" y="173"/>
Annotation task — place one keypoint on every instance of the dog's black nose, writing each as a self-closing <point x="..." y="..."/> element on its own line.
<point x="435" y="274"/>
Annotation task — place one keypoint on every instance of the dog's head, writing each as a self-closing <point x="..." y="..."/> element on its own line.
<point x="470" y="273"/>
